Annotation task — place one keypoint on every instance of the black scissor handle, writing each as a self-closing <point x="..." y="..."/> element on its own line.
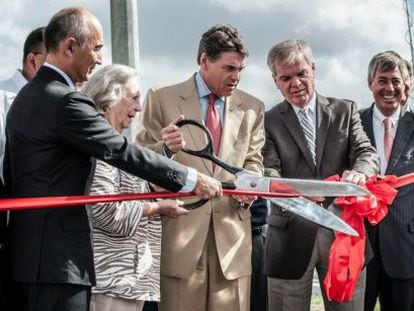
<point x="201" y="202"/>
<point x="207" y="152"/>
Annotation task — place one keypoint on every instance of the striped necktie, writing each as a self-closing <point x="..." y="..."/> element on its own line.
<point x="309" y="131"/>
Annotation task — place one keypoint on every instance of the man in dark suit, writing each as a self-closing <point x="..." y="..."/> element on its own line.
<point x="390" y="275"/>
<point x="307" y="136"/>
<point x="52" y="133"/>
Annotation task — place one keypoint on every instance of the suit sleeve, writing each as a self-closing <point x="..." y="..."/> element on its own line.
<point x="254" y="159"/>
<point x="271" y="158"/>
<point x="363" y="157"/>
<point x="152" y="121"/>
<point x="83" y="128"/>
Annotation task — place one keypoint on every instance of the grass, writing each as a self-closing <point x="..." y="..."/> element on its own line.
<point x="317" y="303"/>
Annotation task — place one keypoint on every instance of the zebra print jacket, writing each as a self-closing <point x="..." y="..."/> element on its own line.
<point x="127" y="244"/>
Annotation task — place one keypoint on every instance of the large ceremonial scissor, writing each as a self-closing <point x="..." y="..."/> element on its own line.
<point x="292" y="191"/>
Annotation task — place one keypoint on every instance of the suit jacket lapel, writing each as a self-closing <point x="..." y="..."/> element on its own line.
<point x="189" y="105"/>
<point x="295" y="129"/>
<point x="232" y="119"/>
<point x="323" y="119"/>
<point x="366" y="119"/>
<point x="404" y="132"/>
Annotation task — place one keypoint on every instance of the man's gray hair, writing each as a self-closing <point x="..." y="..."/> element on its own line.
<point x="107" y="86"/>
<point x="68" y="22"/>
<point x="388" y="61"/>
<point x="288" y="52"/>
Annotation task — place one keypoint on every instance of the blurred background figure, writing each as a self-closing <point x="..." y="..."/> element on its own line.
<point x="127" y="235"/>
<point x="34" y="55"/>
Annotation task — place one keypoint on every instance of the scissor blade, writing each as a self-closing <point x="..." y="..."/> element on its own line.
<point x="301" y="187"/>
<point x="314" y="213"/>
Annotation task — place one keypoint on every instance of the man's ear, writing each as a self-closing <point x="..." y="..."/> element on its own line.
<point x="30" y="60"/>
<point x="69" y="45"/>
<point x="203" y="59"/>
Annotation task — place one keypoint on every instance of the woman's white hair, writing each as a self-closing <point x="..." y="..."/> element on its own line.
<point x="107" y="86"/>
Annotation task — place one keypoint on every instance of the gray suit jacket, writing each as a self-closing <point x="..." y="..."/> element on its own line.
<point x="341" y="144"/>
<point x="395" y="236"/>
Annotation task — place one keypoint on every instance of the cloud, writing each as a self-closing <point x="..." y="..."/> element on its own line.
<point x="343" y="34"/>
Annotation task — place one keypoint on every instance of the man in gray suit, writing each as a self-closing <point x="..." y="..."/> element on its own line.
<point x="390" y="127"/>
<point x="307" y="136"/>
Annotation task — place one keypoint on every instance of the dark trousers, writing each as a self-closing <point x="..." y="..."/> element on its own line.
<point x="393" y="294"/>
<point x="258" y="294"/>
<point x="150" y="306"/>
<point x="51" y="297"/>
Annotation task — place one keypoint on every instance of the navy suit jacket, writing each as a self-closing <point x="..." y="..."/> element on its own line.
<point x="53" y="132"/>
<point x="395" y="234"/>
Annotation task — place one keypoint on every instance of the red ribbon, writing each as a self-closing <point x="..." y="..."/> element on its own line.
<point x="346" y="256"/>
<point x="65" y="201"/>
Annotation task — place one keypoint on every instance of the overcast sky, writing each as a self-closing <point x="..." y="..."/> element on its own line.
<point x="344" y="35"/>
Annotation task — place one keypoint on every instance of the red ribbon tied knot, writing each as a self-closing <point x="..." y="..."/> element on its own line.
<point x="346" y="256"/>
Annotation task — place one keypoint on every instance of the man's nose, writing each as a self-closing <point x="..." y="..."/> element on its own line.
<point x="389" y="86"/>
<point x="235" y="76"/>
<point x="99" y="58"/>
<point x="138" y="106"/>
<point x="296" y="81"/>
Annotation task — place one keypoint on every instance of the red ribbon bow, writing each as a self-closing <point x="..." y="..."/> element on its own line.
<point x="346" y="256"/>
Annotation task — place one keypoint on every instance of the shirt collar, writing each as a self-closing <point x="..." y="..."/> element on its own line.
<point x="379" y="117"/>
<point x="202" y="88"/>
<point x="311" y="106"/>
<point x="62" y="73"/>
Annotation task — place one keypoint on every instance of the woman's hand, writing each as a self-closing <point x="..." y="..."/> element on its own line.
<point x="170" y="208"/>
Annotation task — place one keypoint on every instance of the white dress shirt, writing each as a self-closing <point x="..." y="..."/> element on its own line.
<point x="378" y="127"/>
<point x="6" y="100"/>
<point x="15" y="83"/>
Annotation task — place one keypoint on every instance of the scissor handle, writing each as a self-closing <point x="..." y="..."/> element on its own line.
<point x="201" y="202"/>
<point x="207" y="152"/>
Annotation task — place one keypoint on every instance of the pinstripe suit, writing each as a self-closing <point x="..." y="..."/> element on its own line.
<point x="393" y="238"/>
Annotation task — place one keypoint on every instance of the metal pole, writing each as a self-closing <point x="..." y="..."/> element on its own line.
<point x="125" y="46"/>
<point x="409" y="25"/>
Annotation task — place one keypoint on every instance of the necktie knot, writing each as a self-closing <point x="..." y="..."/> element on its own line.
<point x="387" y="124"/>
<point x="212" y="99"/>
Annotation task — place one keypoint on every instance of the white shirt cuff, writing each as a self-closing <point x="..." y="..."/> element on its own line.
<point x="191" y="180"/>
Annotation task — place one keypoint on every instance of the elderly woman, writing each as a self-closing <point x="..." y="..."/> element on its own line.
<point x="127" y="235"/>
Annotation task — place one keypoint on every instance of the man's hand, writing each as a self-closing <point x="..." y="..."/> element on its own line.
<point x="354" y="177"/>
<point x="207" y="187"/>
<point x="172" y="136"/>
<point x="244" y="200"/>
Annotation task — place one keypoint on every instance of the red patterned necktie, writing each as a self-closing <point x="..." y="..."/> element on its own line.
<point x="388" y="138"/>
<point x="213" y="122"/>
